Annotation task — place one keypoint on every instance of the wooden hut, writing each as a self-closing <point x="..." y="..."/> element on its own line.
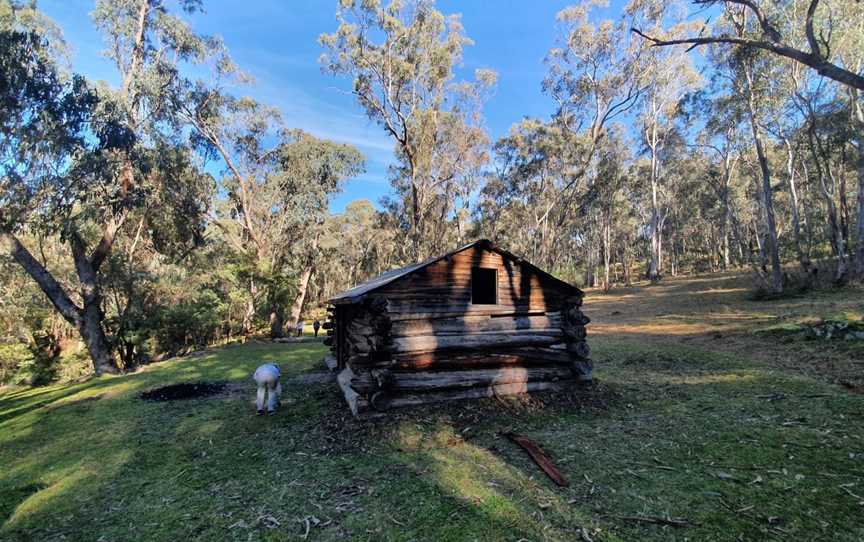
<point x="475" y="322"/>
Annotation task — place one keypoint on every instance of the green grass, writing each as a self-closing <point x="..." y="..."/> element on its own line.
<point x="736" y="447"/>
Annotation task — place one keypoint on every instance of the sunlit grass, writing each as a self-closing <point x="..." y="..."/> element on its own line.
<point x="684" y="423"/>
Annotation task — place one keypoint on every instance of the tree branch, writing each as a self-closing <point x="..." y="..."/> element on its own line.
<point x="47" y="283"/>
<point x="808" y="29"/>
<point x="109" y="233"/>
<point x="822" y="66"/>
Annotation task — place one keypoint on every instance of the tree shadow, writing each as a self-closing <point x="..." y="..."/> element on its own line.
<point x="12" y="497"/>
<point x="210" y="469"/>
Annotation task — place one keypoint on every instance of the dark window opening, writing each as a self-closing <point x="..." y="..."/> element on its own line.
<point x="484" y="286"/>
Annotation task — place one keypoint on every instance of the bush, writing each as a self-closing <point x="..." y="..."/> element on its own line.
<point x="189" y="325"/>
<point x="796" y="282"/>
<point x="13" y="356"/>
<point x="74" y="365"/>
<point x="28" y="365"/>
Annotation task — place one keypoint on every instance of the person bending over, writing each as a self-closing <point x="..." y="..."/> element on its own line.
<point x="267" y="378"/>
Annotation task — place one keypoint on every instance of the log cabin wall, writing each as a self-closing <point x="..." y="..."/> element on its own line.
<point x="475" y="323"/>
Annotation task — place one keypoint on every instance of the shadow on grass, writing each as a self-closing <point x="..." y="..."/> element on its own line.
<point x="11" y="498"/>
<point x="209" y="469"/>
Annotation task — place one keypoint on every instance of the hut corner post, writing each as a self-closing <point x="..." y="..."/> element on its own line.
<point x="573" y="324"/>
<point x="331" y="359"/>
<point x="366" y="338"/>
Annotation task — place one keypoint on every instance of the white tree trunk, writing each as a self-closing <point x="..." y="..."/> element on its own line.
<point x="767" y="200"/>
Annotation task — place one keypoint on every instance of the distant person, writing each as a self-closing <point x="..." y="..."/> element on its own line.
<point x="316" y="325"/>
<point x="299" y="328"/>
<point x="267" y="378"/>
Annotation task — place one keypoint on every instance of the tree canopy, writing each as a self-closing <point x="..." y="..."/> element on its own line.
<point x="174" y="211"/>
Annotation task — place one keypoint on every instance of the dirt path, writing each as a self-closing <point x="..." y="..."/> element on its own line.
<point x="244" y="387"/>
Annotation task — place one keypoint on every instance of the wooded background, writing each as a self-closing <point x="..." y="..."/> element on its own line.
<point x="744" y="150"/>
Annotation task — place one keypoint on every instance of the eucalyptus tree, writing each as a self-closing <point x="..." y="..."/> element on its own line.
<point x="97" y="157"/>
<point x="832" y="36"/>
<point x="749" y="73"/>
<point x="278" y="183"/>
<point x="669" y="74"/>
<point x="717" y="112"/>
<point x="817" y="100"/>
<point x="783" y="121"/>
<point x="607" y="195"/>
<point x="844" y="40"/>
<point x="237" y="131"/>
<point x="595" y="76"/>
<point x="51" y="162"/>
<point x="823" y="135"/>
<point x="816" y="23"/>
<point x="454" y="165"/>
<point x="401" y="59"/>
<point x="531" y="164"/>
<point x="310" y="171"/>
<point x="355" y="245"/>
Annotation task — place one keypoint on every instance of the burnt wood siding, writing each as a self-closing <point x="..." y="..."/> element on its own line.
<point x="445" y="287"/>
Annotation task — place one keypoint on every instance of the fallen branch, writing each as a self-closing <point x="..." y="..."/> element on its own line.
<point x="653" y="465"/>
<point x="657" y="520"/>
<point x="540" y="458"/>
<point x="308" y="527"/>
<point x="859" y="497"/>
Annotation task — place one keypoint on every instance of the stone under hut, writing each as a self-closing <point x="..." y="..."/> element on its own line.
<point x="475" y="322"/>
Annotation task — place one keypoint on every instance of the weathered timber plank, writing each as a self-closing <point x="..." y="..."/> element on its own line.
<point x="462" y="280"/>
<point x="357" y="403"/>
<point x="481" y="330"/>
<point x="555" y="352"/>
<point x="448" y="296"/>
<point x="399" y="313"/>
<point x="472" y="324"/>
<point x="416" y="381"/>
<point x="462" y="360"/>
<point x="540" y="458"/>
<point x="402" y="400"/>
<point x="431" y="343"/>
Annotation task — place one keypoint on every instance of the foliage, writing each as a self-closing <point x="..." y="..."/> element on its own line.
<point x="191" y="324"/>
<point x="402" y="59"/>
<point x="15" y="359"/>
<point x="115" y="235"/>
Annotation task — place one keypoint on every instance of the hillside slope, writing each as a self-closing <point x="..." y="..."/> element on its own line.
<point x="698" y="428"/>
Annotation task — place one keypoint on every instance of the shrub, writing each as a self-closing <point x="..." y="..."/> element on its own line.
<point x="13" y="357"/>
<point x="191" y="324"/>
<point x="28" y="365"/>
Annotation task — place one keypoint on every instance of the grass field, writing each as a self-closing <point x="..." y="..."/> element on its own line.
<point x="713" y="418"/>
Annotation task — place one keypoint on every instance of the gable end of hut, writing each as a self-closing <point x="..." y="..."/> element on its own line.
<point x="475" y="322"/>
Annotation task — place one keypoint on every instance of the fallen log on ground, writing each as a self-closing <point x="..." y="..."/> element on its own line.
<point x="539" y="456"/>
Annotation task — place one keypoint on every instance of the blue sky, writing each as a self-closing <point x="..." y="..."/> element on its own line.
<point x="276" y="42"/>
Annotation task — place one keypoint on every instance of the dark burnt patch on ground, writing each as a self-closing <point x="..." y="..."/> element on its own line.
<point x="186" y="390"/>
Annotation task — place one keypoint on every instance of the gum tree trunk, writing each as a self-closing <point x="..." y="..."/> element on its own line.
<point x="607" y="253"/>
<point x="859" y="249"/>
<point x="87" y="319"/>
<point x="826" y="178"/>
<point x="249" y="311"/>
<point x="277" y="324"/>
<point x="773" y="249"/>
<point x="654" y="261"/>
<point x="796" y="216"/>
<point x="303" y="285"/>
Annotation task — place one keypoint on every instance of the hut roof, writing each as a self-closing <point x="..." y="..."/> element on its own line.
<point x="357" y="293"/>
